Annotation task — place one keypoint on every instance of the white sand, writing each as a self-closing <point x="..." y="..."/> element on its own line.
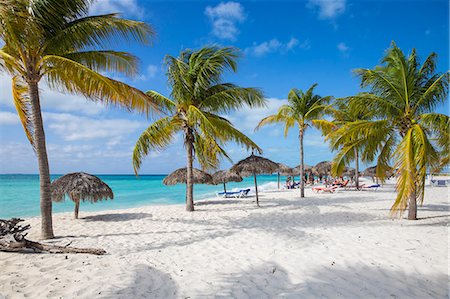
<point x="328" y="245"/>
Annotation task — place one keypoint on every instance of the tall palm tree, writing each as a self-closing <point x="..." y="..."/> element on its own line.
<point x="347" y="151"/>
<point x="56" y="41"/>
<point x="197" y="99"/>
<point x="302" y="109"/>
<point x="403" y="93"/>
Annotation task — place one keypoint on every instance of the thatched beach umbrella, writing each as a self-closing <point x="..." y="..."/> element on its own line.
<point x="225" y="176"/>
<point x="180" y="176"/>
<point x="254" y="165"/>
<point x="284" y="170"/>
<point x="323" y="168"/>
<point x="370" y="171"/>
<point x="80" y="186"/>
<point x="349" y="172"/>
<point x="308" y="169"/>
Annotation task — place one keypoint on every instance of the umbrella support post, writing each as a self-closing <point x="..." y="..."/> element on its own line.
<point x="278" y="181"/>
<point x="77" y="208"/>
<point x="224" y="187"/>
<point x="256" y="190"/>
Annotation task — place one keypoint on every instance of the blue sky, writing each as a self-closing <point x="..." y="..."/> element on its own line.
<point x="284" y="45"/>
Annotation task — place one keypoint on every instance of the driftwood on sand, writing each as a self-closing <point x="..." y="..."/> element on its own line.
<point x="12" y="239"/>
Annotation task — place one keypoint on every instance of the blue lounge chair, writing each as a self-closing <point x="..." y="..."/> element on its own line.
<point x="234" y="194"/>
<point x="374" y="186"/>
<point x="439" y="183"/>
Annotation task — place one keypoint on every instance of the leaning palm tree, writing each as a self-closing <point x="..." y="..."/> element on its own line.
<point x="342" y="114"/>
<point x="56" y="41"/>
<point x="198" y="97"/>
<point x="403" y="93"/>
<point x="302" y="109"/>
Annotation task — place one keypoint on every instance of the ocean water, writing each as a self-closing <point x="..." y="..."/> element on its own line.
<point x="19" y="193"/>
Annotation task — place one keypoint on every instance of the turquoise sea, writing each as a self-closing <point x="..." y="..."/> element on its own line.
<point x="19" y="193"/>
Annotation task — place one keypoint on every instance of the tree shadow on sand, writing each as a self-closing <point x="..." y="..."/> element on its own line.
<point x="117" y="217"/>
<point x="148" y="282"/>
<point x="279" y="223"/>
<point x="270" y="280"/>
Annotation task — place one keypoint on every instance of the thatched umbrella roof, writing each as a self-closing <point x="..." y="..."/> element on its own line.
<point x="80" y="186"/>
<point x="370" y="171"/>
<point x="225" y="176"/>
<point x="254" y="165"/>
<point x="349" y="171"/>
<point x="284" y="170"/>
<point x="323" y="167"/>
<point x="307" y="168"/>
<point x="180" y="175"/>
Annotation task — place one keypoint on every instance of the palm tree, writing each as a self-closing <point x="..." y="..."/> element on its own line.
<point x="342" y="114"/>
<point x="198" y="97"/>
<point x="403" y="94"/>
<point x="57" y="41"/>
<point x="302" y="109"/>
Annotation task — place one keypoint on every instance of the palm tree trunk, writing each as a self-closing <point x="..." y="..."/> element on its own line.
<point x="77" y="208"/>
<point x="356" y="169"/>
<point x="256" y="189"/>
<point x="302" y="165"/>
<point x="412" y="206"/>
<point x="44" y="171"/>
<point x="189" y="143"/>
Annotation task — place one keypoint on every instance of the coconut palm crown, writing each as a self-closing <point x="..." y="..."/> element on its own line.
<point x="301" y="110"/>
<point x="403" y="94"/>
<point x="198" y="98"/>
<point x="342" y="113"/>
<point x="58" y="42"/>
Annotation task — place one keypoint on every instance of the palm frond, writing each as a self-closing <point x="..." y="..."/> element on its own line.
<point x="22" y="104"/>
<point x="70" y="76"/>
<point x="96" y="31"/>
<point x="106" y="61"/>
<point x="155" y="138"/>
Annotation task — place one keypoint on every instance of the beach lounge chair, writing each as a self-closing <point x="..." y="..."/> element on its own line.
<point x="322" y="189"/>
<point x="374" y="187"/>
<point x="438" y="183"/>
<point x="234" y="194"/>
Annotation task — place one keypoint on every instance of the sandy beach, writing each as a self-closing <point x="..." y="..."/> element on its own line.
<point x="340" y="245"/>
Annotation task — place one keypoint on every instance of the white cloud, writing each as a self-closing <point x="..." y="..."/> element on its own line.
<point x="292" y="43"/>
<point x="52" y="100"/>
<point x="265" y="47"/>
<point x="8" y="118"/>
<point x="343" y="48"/>
<point x="71" y="127"/>
<point x="274" y="45"/>
<point x="224" y="18"/>
<point x="328" y="9"/>
<point x="126" y="7"/>
<point x="151" y="72"/>
<point x="248" y="118"/>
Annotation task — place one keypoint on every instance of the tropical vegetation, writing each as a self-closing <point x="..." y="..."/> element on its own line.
<point x="58" y="42"/>
<point x="303" y="109"/>
<point x="342" y="114"/>
<point x="197" y="100"/>
<point x="403" y="94"/>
